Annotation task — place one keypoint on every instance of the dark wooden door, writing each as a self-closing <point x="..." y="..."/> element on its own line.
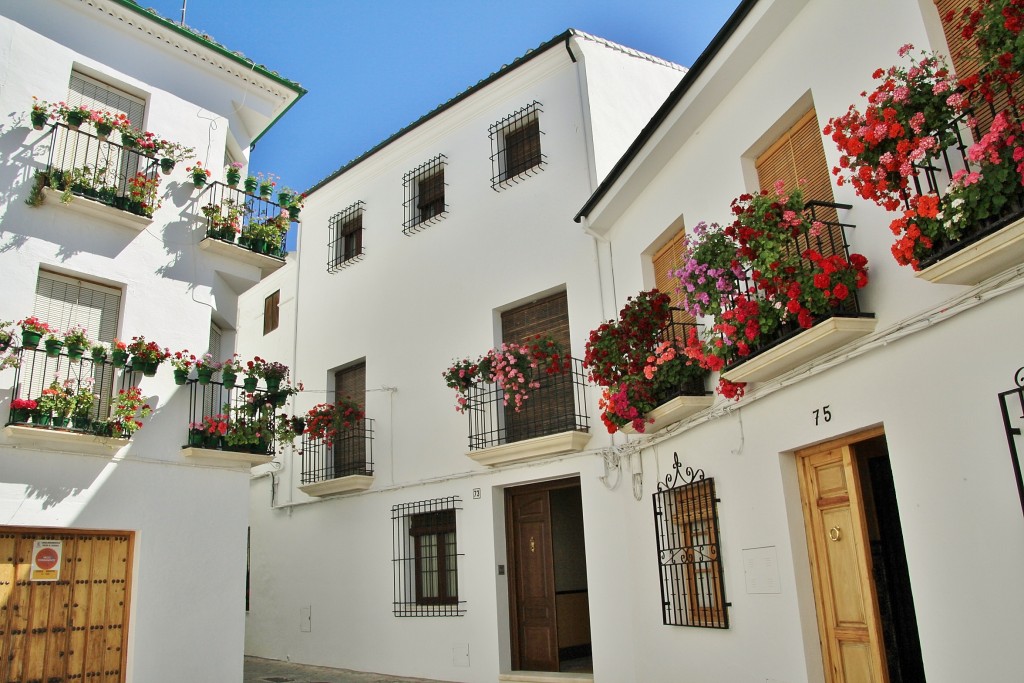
<point x="534" y="631"/>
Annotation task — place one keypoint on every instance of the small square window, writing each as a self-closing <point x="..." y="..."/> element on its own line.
<point x="426" y="559"/>
<point x="424" y="195"/>
<point x="271" y="312"/>
<point x="345" y="236"/>
<point x="515" y="146"/>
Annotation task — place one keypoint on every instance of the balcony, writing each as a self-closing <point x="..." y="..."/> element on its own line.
<point x="94" y="176"/>
<point x="244" y="227"/>
<point x="681" y="400"/>
<point x="792" y="345"/>
<point x="73" y="402"/>
<point x="229" y="425"/>
<point x="552" y="421"/>
<point x="987" y="246"/>
<point x="340" y="464"/>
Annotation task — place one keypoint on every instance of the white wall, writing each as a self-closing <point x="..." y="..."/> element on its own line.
<point x="189" y="519"/>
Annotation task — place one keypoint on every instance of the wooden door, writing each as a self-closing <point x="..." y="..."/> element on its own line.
<point x="844" y="591"/>
<point x="532" y="585"/>
<point x="74" y="628"/>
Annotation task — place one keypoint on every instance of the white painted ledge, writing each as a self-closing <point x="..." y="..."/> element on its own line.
<point x="267" y="264"/>
<point x="823" y="338"/>
<point x="543" y="677"/>
<point x="671" y="412"/>
<point x="983" y="259"/>
<point x="330" y="487"/>
<point x="95" y="209"/>
<point x="230" y="458"/>
<point x="531" y="449"/>
<point x="54" y="439"/>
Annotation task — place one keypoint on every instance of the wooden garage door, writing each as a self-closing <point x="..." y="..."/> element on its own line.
<point x="74" y="628"/>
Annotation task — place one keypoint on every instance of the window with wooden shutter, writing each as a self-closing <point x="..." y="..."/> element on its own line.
<point x="797" y="158"/>
<point x="271" y="312"/>
<point x="345" y="237"/>
<point x="667" y="260"/>
<point x="350" y="444"/>
<point x="515" y="146"/>
<point x="85" y="90"/>
<point x="424" y="189"/>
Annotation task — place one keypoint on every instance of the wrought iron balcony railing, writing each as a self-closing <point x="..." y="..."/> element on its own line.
<point x="229" y="418"/>
<point x="678" y="330"/>
<point x="829" y="240"/>
<point x="349" y="453"/>
<point x="558" y="405"/>
<point x="245" y="220"/>
<point x="934" y="175"/>
<point x="84" y="165"/>
<point x="78" y="394"/>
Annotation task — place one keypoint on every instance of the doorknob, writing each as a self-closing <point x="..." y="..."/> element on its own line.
<point x="834" y="533"/>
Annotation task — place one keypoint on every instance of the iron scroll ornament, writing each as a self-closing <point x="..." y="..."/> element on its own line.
<point x="1011" y="404"/>
<point x="678" y="478"/>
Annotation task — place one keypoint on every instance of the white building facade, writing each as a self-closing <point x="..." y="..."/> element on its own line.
<point x="122" y="559"/>
<point x="389" y="553"/>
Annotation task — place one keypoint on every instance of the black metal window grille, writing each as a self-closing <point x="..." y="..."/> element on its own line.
<point x="349" y="453"/>
<point x="222" y="403"/>
<point x="558" y="405"/>
<point x="38" y="370"/>
<point x="101" y="170"/>
<point x="426" y="559"/>
<point x="678" y="330"/>
<point x="424" y="195"/>
<point x="345" y="238"/>
<point x="1011" y="403"/>
<point x="935" y="174"/>
<point x="235" y="216"/>
<point x="689" y="555"/>
<point x="831" y="239"/>
<point x="515" y="146"/>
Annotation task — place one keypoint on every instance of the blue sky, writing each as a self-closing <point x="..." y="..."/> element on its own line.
<point x="372" y="67"/>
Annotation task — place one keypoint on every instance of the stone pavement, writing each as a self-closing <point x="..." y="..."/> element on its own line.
<point x="258" y="670"/>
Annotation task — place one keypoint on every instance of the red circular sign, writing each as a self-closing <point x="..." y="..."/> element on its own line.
<point x="46" y="558"/>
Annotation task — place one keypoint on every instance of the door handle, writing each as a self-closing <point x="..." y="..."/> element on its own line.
<point x="834" y="533"/>
<point x="533" y="546"/>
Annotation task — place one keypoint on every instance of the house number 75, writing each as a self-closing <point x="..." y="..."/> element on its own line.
<point x="822" y="414"/>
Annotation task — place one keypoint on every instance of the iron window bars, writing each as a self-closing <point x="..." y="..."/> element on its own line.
<point x="37" y="370"/>
<point x="425" y="559"/>
<point x="345" y="238"/>
<point x="1011" y="403"/>
<point x="232" y="212"/>
<point x="349" y="453"/>
<point x="933" y="175"/>
<point x="689" y="554"/>
<point x="101" y="170"/>
<point x="515" y="146"/>
<point x="830" y="240"/>
<point x="558" y="405"/>
<point x="424" y="195"/>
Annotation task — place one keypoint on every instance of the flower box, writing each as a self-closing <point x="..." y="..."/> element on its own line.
<point x="209" y="455"/>
<point x="828" y="335"/>
<point x="531" y="449"/>
<point x="98" y="210"/>
<point x="673" y="411"/>
<point x="330" y="487"/>
<point x="54" y="439"/>
<point x="981" y="260"/>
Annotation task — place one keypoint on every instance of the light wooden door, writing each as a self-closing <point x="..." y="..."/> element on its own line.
<point x="535" y="634"/>
<point x="71" y="629"/>
<point x="844" y="591"/>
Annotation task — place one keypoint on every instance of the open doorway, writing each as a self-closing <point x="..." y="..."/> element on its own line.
<point x="866" y="617"/>
<point x="548" y="593"/>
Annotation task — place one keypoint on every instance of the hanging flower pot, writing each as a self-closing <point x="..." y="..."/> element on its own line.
<point x="273" y="384"/>
<point x="129" y="139"/>
<point x="166" y="165"/>
<point x="119" y="357"/>
<point x="249" y="384"/>
<point x="228" y="377"/>
<point x="199" y="174"/>
<point x="180" y="377"/>
<point x="103" y="130"/>
<point x="199" y="181"/>
<point x="284" y="198"/>
<point x="266" y="189"/>
<point x="250" y="185"/>
<point x="233" y="176"/>
<point x="75" y="352"/>
<point x="99" y="355"/>
<point x="293" y="213"/>
<point x="53" y="347"/>
<point x="30" y="339"/>
<point x="74" y="118"/>
<point x="149" y="368"/>
<point x="204" y="374"/>
<point x="39" y="119"/>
